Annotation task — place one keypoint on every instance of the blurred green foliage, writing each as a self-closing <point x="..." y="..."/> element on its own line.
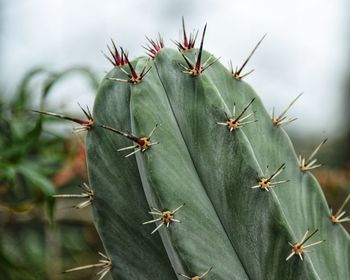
<point x="29" y="159"/>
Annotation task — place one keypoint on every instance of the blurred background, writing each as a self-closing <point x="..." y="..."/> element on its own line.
<point x="51" y="56"/>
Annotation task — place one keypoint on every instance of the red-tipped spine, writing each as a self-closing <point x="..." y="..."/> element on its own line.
<point x="199" y="58"/>
<point x="117" y="59"/>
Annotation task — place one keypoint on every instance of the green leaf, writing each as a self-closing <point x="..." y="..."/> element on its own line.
<point x="55" y="78"/>
<point x="37" y="179"/>
<point x="40" y="182"/>
<point x="22" y="94"/>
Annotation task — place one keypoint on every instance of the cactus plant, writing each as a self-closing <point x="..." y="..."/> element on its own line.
<point x="193" y="179"/>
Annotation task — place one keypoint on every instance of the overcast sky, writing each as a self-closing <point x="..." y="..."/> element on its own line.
<point x="306" y="49"/>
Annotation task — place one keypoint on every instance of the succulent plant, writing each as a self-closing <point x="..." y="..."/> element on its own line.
<point x="192" y="178"/>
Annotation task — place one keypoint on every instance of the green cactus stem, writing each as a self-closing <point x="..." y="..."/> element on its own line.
<point x="204" y="201"/>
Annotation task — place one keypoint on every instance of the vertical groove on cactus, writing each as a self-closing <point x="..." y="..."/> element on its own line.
<point x="119" y="205"/>
<point x="164" y="167"/>
<point x="208" y="136"/>
<point x="262" y="129"/>
<point x="306" y="194"/>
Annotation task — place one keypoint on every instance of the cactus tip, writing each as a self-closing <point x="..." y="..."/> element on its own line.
<point x="153" y="47"/>
<point x="196" y="68"/>
<point x="133" y="77"/>
<point x="117" y="59"/>
<point x="186" y="43"/>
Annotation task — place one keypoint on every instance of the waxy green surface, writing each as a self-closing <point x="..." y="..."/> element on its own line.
<point x="242" y="232"/>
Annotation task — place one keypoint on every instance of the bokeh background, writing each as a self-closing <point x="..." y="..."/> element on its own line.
<point x="51" y="56"/>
